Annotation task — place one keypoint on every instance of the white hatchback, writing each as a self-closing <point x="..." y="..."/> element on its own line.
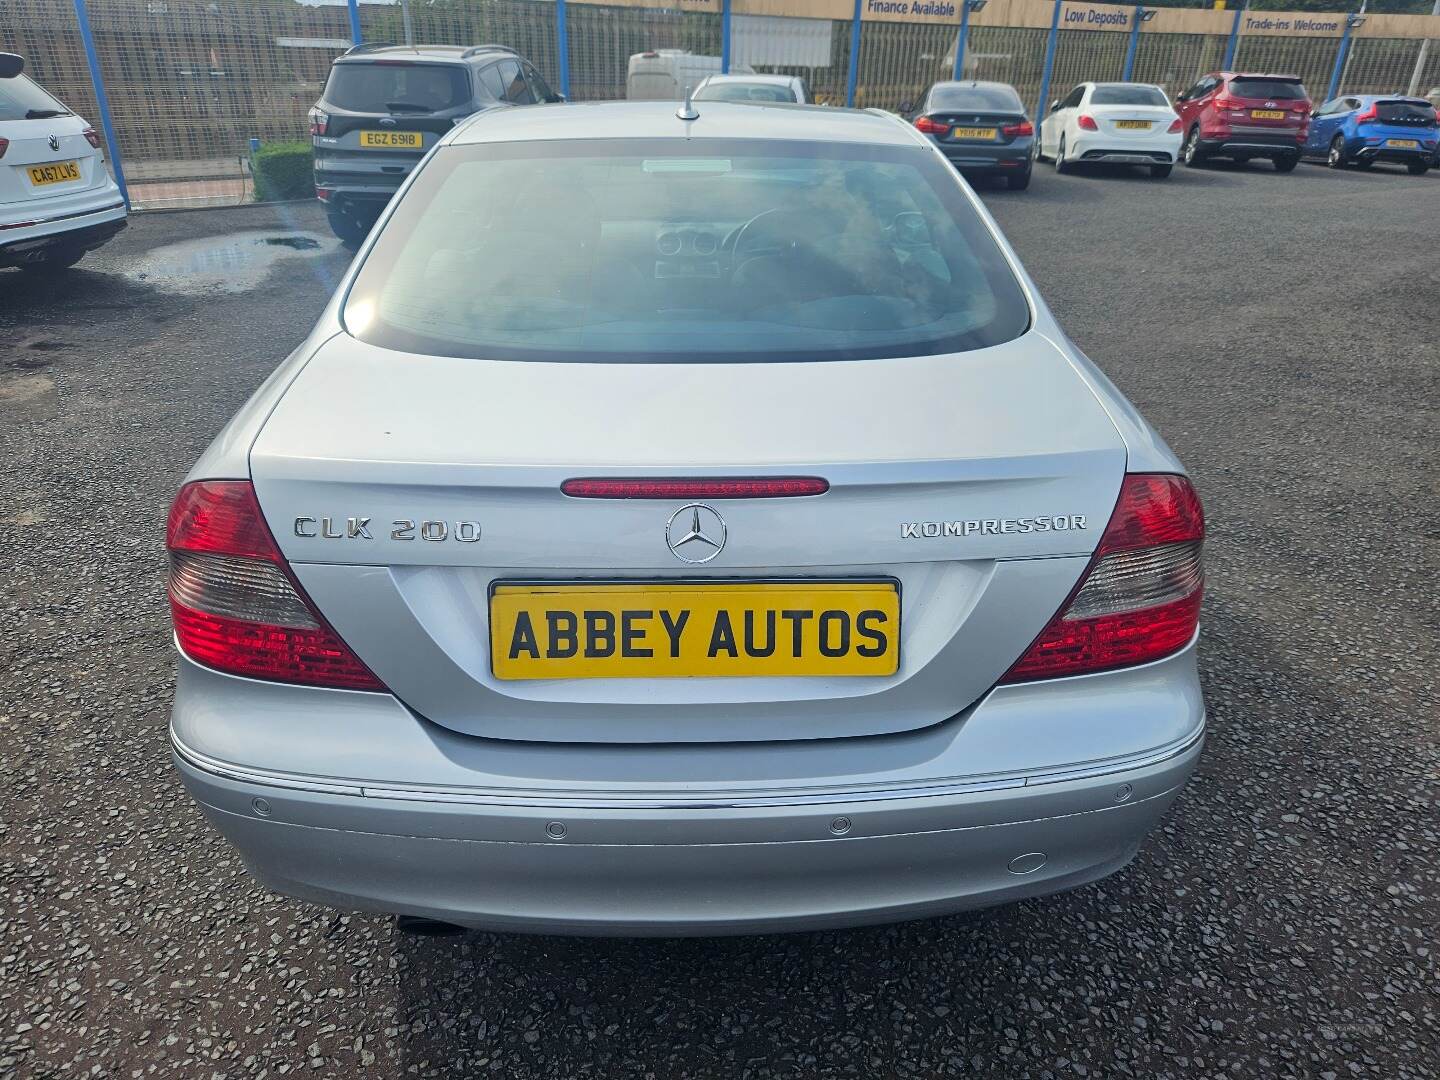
<point x="1119" y="123"/>
<point x="57" y="200"/>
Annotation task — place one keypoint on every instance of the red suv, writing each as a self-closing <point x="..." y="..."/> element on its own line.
<point x="1244" y="116"/>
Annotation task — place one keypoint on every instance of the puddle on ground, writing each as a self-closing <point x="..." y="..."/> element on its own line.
<point x="232" y="263"/>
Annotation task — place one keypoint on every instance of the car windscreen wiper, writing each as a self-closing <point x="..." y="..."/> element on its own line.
<point x="45" y="114"/>
<point x="406" y="106"/>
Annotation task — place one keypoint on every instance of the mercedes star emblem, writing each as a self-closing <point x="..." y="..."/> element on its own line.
<point x="695" y="533"/>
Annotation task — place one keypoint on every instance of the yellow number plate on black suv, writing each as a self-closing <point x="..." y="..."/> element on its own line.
<point x="648" y="630"/>
<point x="392" y="140"/>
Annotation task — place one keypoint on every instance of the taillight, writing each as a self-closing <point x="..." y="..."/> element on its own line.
<point x="233" y="602"/>
<point x="930" y="127"/>
<point x="1140" y="597"/>
<point x="1022" y="128"/>
<point x="1228" y="103"/>
<point x="1369" y="116"/>
<point x="1175" y="126"/>
<point x="4" y="145"/>
<point x="319" y="122"/>
<point x="92" y="137"/>
<point x="739" y="487"/>
<point x="1087" y="123"/>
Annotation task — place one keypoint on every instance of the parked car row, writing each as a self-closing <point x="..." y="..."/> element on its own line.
<point x="983" y="127"/>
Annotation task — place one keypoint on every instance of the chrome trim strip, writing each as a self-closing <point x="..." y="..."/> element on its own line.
<point x="32" y="222"/>
<point x="916" y="790"/>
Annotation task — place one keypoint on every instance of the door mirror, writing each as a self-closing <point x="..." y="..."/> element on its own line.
<point x="907" y="106"/>
<point x="11" y="65"/>
<point x="556" y="99"/>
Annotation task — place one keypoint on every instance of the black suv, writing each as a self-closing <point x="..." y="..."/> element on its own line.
<point x="385" y="105"/>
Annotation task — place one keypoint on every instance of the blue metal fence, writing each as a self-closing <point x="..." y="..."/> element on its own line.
<point x="191" y="83"/>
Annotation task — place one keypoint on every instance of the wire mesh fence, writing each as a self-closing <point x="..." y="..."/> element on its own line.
<point x="191" y="82"/>
<point x="1176" y="61"/>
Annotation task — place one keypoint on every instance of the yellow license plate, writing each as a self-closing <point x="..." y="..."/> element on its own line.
<point x="1135" y="125"/>
<point x="1267" y="114"/>
<point x="1402" y="144"/>
<point x="58" y="173"/>
<point x="392" y="140"/>
<point x="973" y="133"/>
<point x="651" y="630"/>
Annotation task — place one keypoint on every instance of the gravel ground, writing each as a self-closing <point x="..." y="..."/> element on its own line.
<point x="1279" y="330"/>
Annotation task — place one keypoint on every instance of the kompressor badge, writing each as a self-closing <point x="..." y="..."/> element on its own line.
<point x="917" y="530"/>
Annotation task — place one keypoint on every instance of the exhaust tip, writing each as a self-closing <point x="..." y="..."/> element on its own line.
<point x="417" y="926"/>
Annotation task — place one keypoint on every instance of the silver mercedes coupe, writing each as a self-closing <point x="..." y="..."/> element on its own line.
<point x="685" y="522"/>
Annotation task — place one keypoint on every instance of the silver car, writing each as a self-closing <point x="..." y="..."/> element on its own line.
<point x="685" y="524"/>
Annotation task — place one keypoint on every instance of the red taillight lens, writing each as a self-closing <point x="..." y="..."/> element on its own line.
<point x="4" y="145"/>
<point x="319" y="122"/>
<point x="1369" y="116"/>
<point x="1175" y="126"/>
<point x="1140" y="598"/>
<point x="92" y="137"/>
<point x="1022" y="128"/>
<point x="1228" y="103"/>
<point x="1087" y="123"/>
<point x="930" y="127"/>
<point x="233" y="602"/>
<point x="740" y="487"/>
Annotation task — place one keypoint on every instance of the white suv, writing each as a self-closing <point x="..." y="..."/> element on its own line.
<point x="57" y="200"/>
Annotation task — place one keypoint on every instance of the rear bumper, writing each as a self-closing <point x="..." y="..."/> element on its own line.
<point x="1252" y="144"/>
<point x="1162" y="149"/>
<point x="672" y="871"/>
<point x="348" y="799"/>
<point x="978" y="157"/>
<point x="1364" y="151"/>
<point x="87" y="222"/>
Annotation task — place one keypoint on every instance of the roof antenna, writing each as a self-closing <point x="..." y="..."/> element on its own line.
<point x="687" y="110"/>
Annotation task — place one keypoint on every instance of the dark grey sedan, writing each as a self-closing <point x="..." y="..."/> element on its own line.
<point x="981" y="127"/>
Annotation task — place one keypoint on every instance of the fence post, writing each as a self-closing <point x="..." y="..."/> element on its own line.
<point x="1043" y="107"/>
<point x="854" y="73"/>
<point x="960" y="42"/>
<point x="562" y="47"/>
<point x="724" y="37"/>
<point x="88" y="40"/>
<point x="1229" y="61"/>
<point x="356" y="37"/>
<point x="1340" y="57"/>
<point x="1134" y="43"/>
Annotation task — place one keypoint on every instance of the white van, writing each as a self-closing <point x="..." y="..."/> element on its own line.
<point x="663" y="74"/>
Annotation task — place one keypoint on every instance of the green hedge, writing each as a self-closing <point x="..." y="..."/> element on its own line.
<point x="283" y="170"/>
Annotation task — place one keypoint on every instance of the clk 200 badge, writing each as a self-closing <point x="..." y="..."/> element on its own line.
<point x="914" y="530"/>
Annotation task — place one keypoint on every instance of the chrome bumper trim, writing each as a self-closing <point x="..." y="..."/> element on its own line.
<point x="720" y="800"/>
<point x="32" y="222"/>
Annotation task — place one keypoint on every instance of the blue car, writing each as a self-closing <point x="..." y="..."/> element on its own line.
<point x="1361" y="129"/>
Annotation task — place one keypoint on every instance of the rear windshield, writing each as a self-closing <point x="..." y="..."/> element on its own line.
<point x="1127" y="95"/>
<point x="1001" y="98"/>
<point x="672" y="251"/>
<point x="729" y="91"/>
<point x="389" y="86"/>
<point x="1270" y="89"/>
<point x="1406" y="112"/>
<point x="21" y="99"/>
